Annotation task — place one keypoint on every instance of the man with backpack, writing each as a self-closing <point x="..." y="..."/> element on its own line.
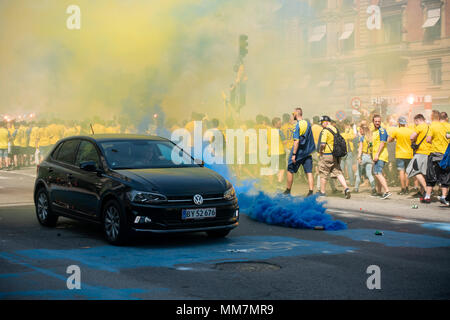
<point x="332" y="147"/>
<point x="380" y="155"/>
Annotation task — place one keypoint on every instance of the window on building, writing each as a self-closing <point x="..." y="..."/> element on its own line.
<point x="347" y="38"/>
<point x="392" y="27"/>
<point x="435" y="66"/>
<point x="318" y="41"/>
<point x="432" y="25"/>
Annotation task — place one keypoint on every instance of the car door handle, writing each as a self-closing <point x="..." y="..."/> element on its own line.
<point x="50" y="170"/>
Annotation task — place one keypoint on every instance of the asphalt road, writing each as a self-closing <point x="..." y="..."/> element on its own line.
<point x="256" y="261"/>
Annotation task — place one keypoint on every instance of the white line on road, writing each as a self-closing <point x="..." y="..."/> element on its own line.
<point x="16" y="204"/>
<point x="20" y="173"/>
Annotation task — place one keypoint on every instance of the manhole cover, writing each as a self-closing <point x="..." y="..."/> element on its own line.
<point x="247" y="266"/>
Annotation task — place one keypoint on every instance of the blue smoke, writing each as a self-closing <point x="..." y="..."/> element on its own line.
<point x="278" y="209"/>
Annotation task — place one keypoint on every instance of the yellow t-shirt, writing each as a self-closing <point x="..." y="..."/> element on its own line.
<point x="44" y="137"/>
<point x="378" y="136"/>
<point x="403" y="148"/>
<point x="98" y="128"/>
<point x="421" y="131"/>
<point x="55" y="132"/>
<point x="70" y="131"/>
<point x="288" y="131"/>
<point x="327" y="138"/>
<point x="20" y="139"/>
<point x="4" y="136"/>
<point x="438" y="131"/>
<point x="34" y="136"/>
<point x="316" y="130"/>
<point x="11" y="132"/>
<point x="349" y="135"/>
<point x="276" y="133"/>
<point x="365" y="145"/>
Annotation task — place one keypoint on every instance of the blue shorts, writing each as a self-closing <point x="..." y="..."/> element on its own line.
<point x="3" y="153"/>
<point x="402" y="164"/>
<point x="307" y="164"/>
<point x="378" y="167"/>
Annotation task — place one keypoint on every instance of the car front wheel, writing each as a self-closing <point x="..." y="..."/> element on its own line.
<point x="114" y="223"/>
<point x="44" y="212"/>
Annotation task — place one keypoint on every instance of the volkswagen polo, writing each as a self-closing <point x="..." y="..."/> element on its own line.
<point x="133" y="184"/>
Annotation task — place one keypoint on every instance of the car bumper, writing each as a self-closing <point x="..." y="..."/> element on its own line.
<point x="186" y="230"/>
<point x="168" y="218"/>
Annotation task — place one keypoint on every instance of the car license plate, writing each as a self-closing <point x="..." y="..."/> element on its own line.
<point x="200" y="213"/>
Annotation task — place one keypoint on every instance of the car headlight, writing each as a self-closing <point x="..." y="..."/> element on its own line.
<point x="229" y="194"/>
<point x="144" y="197"/>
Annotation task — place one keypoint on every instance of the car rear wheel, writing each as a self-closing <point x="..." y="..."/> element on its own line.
<point x="218" y="233"/>
<point x="114" y="223"/>
<point x="44" y="212"/>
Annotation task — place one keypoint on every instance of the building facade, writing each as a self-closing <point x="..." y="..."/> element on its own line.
<point x="387" y="54"/>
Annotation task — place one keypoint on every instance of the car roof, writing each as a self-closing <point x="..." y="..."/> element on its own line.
<point x="117" y="136"/>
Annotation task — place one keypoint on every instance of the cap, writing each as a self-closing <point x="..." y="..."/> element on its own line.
<point x="325" y="118"/>
<point x="402" y="120"/>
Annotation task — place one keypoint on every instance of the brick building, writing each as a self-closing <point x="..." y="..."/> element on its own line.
<point x="383" y="53"/>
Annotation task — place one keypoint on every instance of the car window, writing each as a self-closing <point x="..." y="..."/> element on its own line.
<point x="55" y="152"/>
<point x="87" y="152"/>
<point x="67" y="151"/>
<point x="140" y="154"/>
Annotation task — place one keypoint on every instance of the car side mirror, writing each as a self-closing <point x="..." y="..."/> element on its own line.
<point x="90" y="166"/>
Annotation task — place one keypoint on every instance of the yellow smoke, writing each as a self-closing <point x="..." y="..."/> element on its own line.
<point x="176" y="53"/>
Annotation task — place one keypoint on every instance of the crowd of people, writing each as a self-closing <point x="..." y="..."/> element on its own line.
<point x="374" y="151"/>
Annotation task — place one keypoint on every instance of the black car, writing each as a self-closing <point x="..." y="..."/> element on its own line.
<point x="133" y="183"/>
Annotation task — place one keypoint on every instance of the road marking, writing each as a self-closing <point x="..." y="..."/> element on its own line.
<point x="20" y="173"/>
<point x="16" y="204"/>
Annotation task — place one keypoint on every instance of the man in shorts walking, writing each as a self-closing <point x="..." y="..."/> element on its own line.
<point x="329" y="164"/>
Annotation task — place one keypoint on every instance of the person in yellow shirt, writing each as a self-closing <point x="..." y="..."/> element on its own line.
<point x="33" y="143"/>
<point x="4" y="139"/>
<point x="316" y="130"/>
<point x="347" y="161"/>
<point x="437" y="137"/>
<point x="99" y="128"/>
<point x="418" y="166"/>
<point x="44" y="140"/>
<point x="328" y="164"/>
<point x="55" y="132"/>
<point x="20" y="143"/>
<point x="403" y="151"/>
<point x="279" y="153"/>
<point x="71" y="129"/>
<point x="287" y="131"/>
<point x="380" y="155"/>
<point x="300" y="154"/>
<point x="365" y="158"/>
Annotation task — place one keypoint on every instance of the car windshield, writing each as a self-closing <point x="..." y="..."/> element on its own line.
<point x="142" y="154"/>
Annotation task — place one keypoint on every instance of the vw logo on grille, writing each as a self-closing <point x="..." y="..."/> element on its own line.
<point x="198" y="199"/>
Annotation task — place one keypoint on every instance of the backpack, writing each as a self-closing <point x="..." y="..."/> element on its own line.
<point x="339" y="146"/>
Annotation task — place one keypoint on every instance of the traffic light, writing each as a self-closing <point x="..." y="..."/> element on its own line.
<point x="243" y="44"/>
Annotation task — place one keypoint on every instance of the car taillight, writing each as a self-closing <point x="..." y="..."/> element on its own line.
<point x="37" y="169"/>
